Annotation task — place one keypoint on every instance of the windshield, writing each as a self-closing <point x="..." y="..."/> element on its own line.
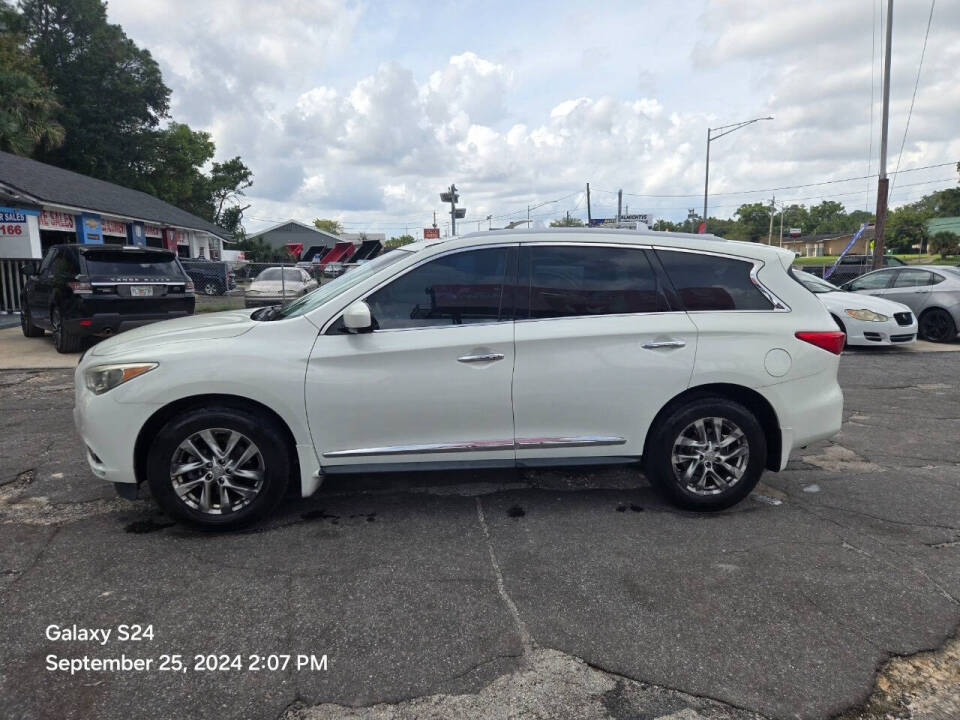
<point x="815" y="284"/>
<point x="273" y="275"/>
<point x="333" y="288"/>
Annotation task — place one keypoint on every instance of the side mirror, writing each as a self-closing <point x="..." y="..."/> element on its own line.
<point x="357" y="319"/>
<point x="29" y="269"/>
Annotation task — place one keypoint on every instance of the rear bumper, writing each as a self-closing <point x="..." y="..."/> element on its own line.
<point x="809" y="409"/>
<point x="109" y="323"/>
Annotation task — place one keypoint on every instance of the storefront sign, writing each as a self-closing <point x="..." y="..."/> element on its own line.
<point x="431" y="233"/>
<point x="181" y="237"/>
<point x="13" y="224"/>
<point x="53" y="220"/>
<point x="114" y="227"/>
<point x="152" y="231"/>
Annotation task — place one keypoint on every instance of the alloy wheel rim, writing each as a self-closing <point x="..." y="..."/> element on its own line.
<point x="710" y="456"/>
<point x="935" y="326"/>
<point x="217" y="471"/>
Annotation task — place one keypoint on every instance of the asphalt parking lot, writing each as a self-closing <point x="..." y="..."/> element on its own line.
<point x="507" y="594"/>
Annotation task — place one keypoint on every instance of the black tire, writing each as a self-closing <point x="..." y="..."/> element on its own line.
<point x="658" y="462"/>
<point x="63" y="341"/>
<point x="26" y="324"/>
<point x="937" y="325"/>
<point x="264" y="435"/>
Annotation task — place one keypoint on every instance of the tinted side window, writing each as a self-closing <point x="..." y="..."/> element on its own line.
<point x="47" y="261"/>
<point x="456" y="289"/>
<point x="913" y="278"/>
<point x="708" y="282"/>
<point x="872" y="281"/>
<point x="64" y="267"/>
<point x="575" y="281"/>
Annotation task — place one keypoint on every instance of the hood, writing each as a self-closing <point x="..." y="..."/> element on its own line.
<point x="840" y="300"/>
<point x="206" y="326"/>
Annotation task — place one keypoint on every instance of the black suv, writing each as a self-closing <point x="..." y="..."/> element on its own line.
<point x="210" y="277"/>
<point x="83" y="290"/>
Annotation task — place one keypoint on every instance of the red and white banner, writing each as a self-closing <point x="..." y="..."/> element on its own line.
<point x="53" y="220"/>
<point x="152" y="231"/>
<point x="181" y="237"/>
<point x="113" y="227"/>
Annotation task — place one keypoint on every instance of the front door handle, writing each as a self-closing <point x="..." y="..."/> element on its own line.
<point x="657" y="344"/>
<point x="485" y="357"/>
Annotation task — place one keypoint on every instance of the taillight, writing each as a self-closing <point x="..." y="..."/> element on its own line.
<point x="189" y="286"/>
<point x="80" y="287"/>
<point x="831" y="340"/>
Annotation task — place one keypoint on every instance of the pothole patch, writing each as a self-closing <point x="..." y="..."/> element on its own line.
<point x="837" y="458"/>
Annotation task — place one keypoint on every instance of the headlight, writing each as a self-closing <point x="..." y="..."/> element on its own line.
<point x="106" y="377"/>
<point x="866" y="315"/>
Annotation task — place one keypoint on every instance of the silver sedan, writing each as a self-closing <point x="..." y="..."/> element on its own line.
<point x="276" y="286"/>
<point x="931" y="291"/>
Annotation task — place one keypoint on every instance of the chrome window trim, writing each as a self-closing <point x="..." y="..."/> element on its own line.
<point x="424" y="261"/>
<point x="536" y="443"/>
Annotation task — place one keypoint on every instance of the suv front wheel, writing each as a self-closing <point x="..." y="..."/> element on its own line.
<point x="706" y="455"/>
<point x="218" y="468"/>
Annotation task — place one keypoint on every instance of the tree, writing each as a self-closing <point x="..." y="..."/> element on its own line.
<point x="228" y="180"/>
<point x="111" y="92"/>
<point x="567" y="222"/>
<point x="29" y="105"/>
<point x="754" y="222"/>
<point x="330" y="226"/>
<point x="395" y="242"/>
<point x="943" y="203"/>
<point x="944" y="243"/>
<point x="169" y="167"/>
<point x="828" y="217"/>
<point x="906" y="228"/>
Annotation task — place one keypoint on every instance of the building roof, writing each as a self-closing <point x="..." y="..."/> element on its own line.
<point x="291" y="221"/>
<point x="43" y="184"/>
<point x="944" y="224"/>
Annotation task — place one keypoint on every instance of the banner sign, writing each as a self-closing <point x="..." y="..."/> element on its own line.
<point x="850" y="244"/>
<point x="113" y="227"/>
<point x="181" y="237"/>
<point x="431" y="233"/>
<point x="633" y="218"/>
<point x="53" y="220"/>
<point x="152" y="231"/>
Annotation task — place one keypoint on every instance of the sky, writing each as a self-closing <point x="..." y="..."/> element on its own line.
<point x="366" y="111"/>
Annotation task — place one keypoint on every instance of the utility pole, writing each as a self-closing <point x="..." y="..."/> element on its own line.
<point x="452" y="196"/>
<point x="773" y="209"/>
<point x="589" y="216"/>
<point x="883" y="182"/>
<point x="619" y="203"/>
<point x="715" y="134"/>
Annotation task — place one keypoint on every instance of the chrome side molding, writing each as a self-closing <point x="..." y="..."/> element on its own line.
<point x="536" y="443"/>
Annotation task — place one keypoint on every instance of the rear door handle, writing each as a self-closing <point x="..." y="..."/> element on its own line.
<point x="485" y="357"/>
<point x="657" y="344"/>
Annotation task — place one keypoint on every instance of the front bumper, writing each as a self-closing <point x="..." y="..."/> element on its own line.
<point x="887" y="333"/>
<point x="108" y="429"/>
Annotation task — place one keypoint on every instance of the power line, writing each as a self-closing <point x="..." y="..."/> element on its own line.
<point x="916" y="85"/>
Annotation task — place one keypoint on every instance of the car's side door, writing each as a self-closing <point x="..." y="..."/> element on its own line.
<point x="41" y="289"/>
<point x="600" y="349"/>
<point x="873" y="283"/>
<point x="912" y="287"/>
<point x="431" y="382"/>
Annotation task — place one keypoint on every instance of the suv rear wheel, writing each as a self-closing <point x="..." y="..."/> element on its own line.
<point x="26" y="323"/>
<point x="706" y="455"/>
<point x="218" y="468"/>
<point x="63" y="341"/>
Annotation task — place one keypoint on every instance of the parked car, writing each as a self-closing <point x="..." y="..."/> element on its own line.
<point x="210" y="277"/>
<point x="275" y="286"/>
<point x="851" y="266"/>
<point x="334" y="269"/>
<point x="865" y="320"/>
<point x="932" y="292"/>
<point x="696" y="358"/>
<point x="83" y="290"/>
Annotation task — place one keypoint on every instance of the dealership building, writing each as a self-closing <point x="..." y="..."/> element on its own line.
<point x="42" y="205"/>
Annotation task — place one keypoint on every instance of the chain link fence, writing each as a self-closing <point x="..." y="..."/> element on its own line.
<point x="242" y="284"/>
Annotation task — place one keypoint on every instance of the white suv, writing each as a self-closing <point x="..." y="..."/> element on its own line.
<point x="699" y="358"/>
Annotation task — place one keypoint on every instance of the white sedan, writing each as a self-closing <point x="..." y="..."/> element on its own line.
<point x="275" y="286"/>
<point x="866" y="320"/>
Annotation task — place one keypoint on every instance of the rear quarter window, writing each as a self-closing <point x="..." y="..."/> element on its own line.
<point x="709" y="282"/>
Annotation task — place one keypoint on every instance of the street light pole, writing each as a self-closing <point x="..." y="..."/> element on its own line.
<point x="715" y="134"/>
